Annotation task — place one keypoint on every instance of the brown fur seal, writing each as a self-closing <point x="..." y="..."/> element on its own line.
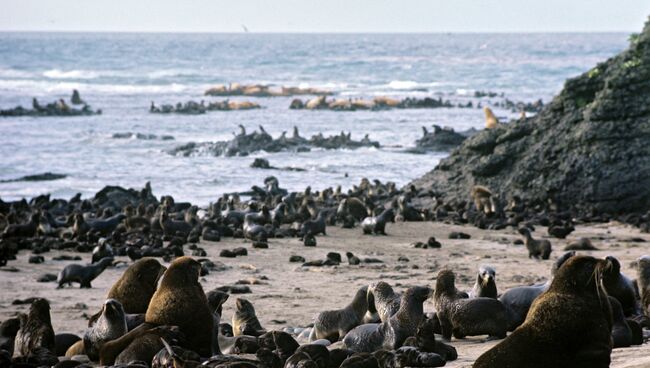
<point x="76" y="349"/>
<point x="383" y="300"/>
<point x="35" y="330"/>
<point x="569" y="325"/>
<point x="621" y="332"/>
<point x="467" y="317"/>
<point x="377" y="224"/>
<point x="27" y="229"/>
<point x="352" y="207"/>
<point x="82" y="274"/>
<point x="180" y="301"/>
<point x="140" y="344"/>
<point x="491" y="121"/>
<point x="316" y="226"/>
<point x="483" y="199"/>
<point x="391" y="334"/>
<point x="620" y="287"/>
<point x="485" y="285"/>
<point x="643" y="282"/>
<point x="244" y="321"/>
<point x="110" y="325"/>
<point x="334" y="324"/>
<point x="537" y="248"/>
<point x="137" y="285"/>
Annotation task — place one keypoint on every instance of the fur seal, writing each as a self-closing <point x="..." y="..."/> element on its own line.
<point x="491" y="121"/>
<point x="467" y="317"/>
<point x="26" y="230"/>
<point x="620" y="287"/>
<point x="621" y="331"/>
<point x="377" y="224"/>
<point x="244" y="321"/>
<point x="8" y="330"/>
<point x="569" y="325"/>
<point x="334" y="324"/>
<point x="483" y="199"/>
<point x="643" y="282"/>
<point x="110" y="325"/>
<point x="485" y="285"/>
<point x="64" y="341"/>
<point x="383" y="300"/>
<point x="137" y="285"/>
<point x="35" y="330"/>
<point x="425" y="340"/>
<point x="180" y="301"/>
<point x="316" y="226"/>
<point x="82" y="274"/>
<point x="391" y="334"/>
<point x="519" y="299"/>
<point x="352" y="207"/>
<point x="537" y="248"/>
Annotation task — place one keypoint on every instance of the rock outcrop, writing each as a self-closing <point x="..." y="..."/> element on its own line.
<point x="440" y="139"/>
<point x="587" y="151"/>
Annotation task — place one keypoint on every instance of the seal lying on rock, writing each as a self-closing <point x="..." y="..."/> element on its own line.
<point x="110" y="325"/>
<point x="333" y="325"/>
<point x="244" y="321"/>
<point x="392" y="333"/>
<point x="82" y="274"/>
<point x="467" y="317"/>
<point x="570" y="325"/>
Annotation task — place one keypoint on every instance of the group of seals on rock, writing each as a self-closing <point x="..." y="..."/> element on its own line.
<point x="57" y="108"/>
<point x="374" y="104"/>
<point x="244" y="144"/>
<point x="259" y="90"/>
<point x="195" y="108"/>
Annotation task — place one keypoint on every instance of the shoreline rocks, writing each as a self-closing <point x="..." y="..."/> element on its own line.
<point x="260" y="90"/>
<point x="56" y="108"/>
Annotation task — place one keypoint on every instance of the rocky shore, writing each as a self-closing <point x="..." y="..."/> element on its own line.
<point x="56" y="108"/>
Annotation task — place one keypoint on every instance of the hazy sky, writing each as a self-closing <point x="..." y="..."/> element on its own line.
<point x="325" y="16"/>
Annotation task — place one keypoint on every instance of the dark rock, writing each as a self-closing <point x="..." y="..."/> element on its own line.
<point x="296" y="259"/>
<point x="458" y="235"/>
<point x="36" y="259"/>
<point x="37" y="177"/>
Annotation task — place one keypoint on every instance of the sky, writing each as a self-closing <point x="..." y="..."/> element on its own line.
<point x="324" y="16"/>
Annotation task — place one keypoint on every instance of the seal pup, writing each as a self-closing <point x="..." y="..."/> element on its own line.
<point x="137" y="285"/>
<point x="244" y="321"/>
<point x="537" y="248"/>
<point x="491" y="120"/>
<point x="643" y="282"/>
<point x="180" y="301"/>
<point x="620" y="287"/>
<point x="110" y="325"/>
<point x="82" y="274"/>
<point x="425" y="340"/>
<point x="391" y="334"/>
<point x="377" y="224"/>
<point x="383" y="300"/>
<point x="467" y="317"/>
<point x="334" y="324"/>
<point x="485" y="285"/>
<point x="35" y="330"/>
<point x="569" y="325"/>
<point x="519" y="299"/>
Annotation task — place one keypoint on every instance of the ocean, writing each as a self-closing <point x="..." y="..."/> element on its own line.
<point x="123" y="73"/>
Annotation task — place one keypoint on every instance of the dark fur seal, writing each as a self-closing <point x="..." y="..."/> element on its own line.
<point x="377" y="224"/>
<point x="383" y="300"/>
<point x="180" y="301"/>
<point x="485" y="286"/>
<point x="569" y="325"/>
<point x="621" y="332"/>
<point x="35" y="330"/>
<point x="244" y="321"/>
<point x="537" y="248"/>
<point x="334" y="324"/>
<point x="64" y="341"/>
<point x="82" y="274"/>
<point x="27" y="229"/>
<point x="643" y="282"/>
<point x="519" y="299"/>
<point x="8" y="330"/>
<point x="316" y="226"/>
<point x="352" y="207"/>
<point x="110" y="325"/>
<point x="467" y="317"/>
<point x="137" y="285"/>
<point x="425" y="340"/>
<point x="391" y="334"/>
<point x="620" y="287"/>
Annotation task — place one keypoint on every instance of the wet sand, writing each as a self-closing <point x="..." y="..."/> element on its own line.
<point x="295" y="294"/>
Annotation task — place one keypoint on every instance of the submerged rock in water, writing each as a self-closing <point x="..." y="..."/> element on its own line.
<point x="141" y="136"/>
<point x="244" y="144"/>
<point x="37" y="177"/>
<point x="262" y="163"/>
<point x="587" y="150"/>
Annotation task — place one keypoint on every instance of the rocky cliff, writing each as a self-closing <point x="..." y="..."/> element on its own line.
<point x="588" y="150"/>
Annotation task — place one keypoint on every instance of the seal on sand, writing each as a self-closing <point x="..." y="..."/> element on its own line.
<point x="467" y="317"/>
<point x="137" y="285"/>
<point x="110" y="325"/>
<point x="537" y="248"/>
<point x="620" y="287"/>
<point x="82" y="274"/>
<point x="334" y="324"/>
<point x="485" y="285"/>
<point x="377" y="224"/>
<point x="383" y="300"/>
<point x="180" y="301"/>
<point x="569" y="325"/>
<point x="35" y="330"/>
<point x="244" y="321"/>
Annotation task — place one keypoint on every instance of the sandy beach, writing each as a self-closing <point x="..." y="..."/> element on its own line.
<point x="293" y="294"/>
